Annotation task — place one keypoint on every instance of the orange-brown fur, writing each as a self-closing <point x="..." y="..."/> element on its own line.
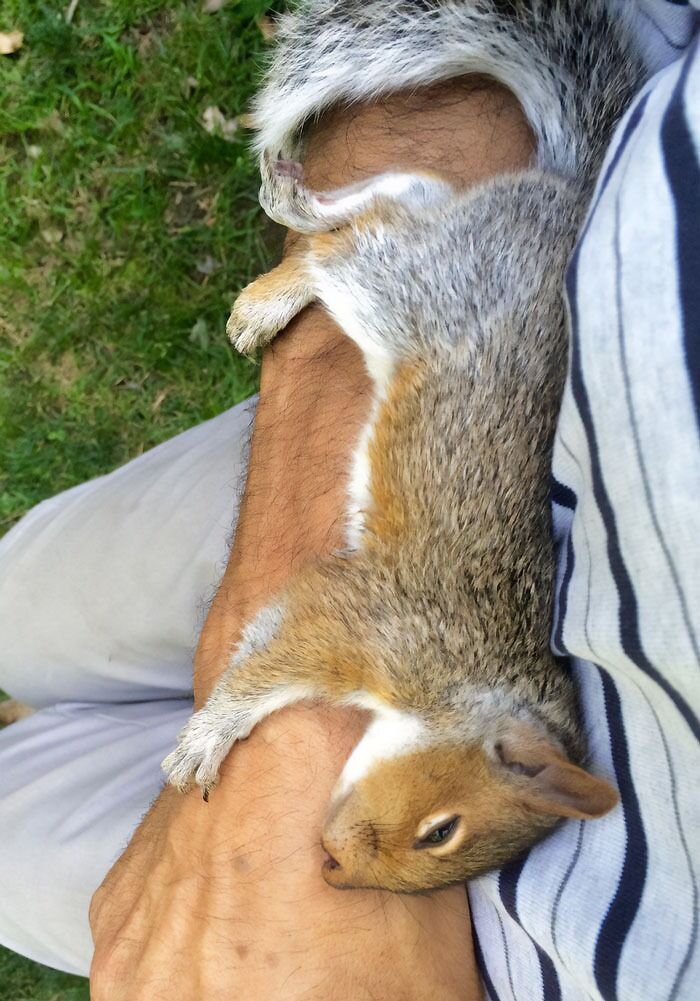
<point x="372" y="833"/>
<point x="455" y="778"/>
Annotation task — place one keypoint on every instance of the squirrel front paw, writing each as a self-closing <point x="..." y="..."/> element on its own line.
<point x="267" y="305"/>
<point x="249" y="326"/>
<point x="201" y="748"/>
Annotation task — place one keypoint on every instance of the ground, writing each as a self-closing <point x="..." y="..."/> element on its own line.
<point x="126" y="229"/>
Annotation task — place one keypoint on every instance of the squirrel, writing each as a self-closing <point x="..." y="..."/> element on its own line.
<point x="436" y="616"/>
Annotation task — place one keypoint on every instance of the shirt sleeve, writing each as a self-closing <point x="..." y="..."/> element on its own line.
<point x="663" y="28"/>
<point x="609" y="909"/>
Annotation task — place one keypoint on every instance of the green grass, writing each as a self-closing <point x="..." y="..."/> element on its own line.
<point x="21" y="980"/>
<point x="125" y="232"/>
<point x="115" y="204"/>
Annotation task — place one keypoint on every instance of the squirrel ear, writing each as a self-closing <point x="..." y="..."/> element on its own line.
<point x="552" y="783"/>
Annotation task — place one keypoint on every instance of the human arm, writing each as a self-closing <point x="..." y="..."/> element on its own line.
<point x="227" y="898"/>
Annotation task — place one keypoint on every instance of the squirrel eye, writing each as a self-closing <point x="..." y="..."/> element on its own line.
<point x="439" y="834"/>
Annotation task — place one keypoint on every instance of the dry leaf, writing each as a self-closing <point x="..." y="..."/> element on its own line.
<point x="189" y="84"/>
<point x="52" y="235"/>
<point x="207" y="266"/>
<point x="266" y="26"/>
<point x="158" y="402"/>
<point x="211" y="6"/>
<point x="10" y="41"/>
<point x="216" y="124"/>
<point x="199" y="334"/>
<point x="52" y="121"/>
<point x="11" y="711"/>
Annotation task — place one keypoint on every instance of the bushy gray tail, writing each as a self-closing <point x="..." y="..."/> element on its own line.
<point x="570" y="63"/>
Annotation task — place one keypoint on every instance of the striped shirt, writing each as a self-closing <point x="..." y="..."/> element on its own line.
<point x="609" y="910"/>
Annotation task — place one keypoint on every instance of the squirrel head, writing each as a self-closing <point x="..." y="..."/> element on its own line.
<point x="446" y="812"/>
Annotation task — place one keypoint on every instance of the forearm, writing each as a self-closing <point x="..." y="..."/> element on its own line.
<point x="314" y="391"/>
<point x="239" y="878"/>
<point x="313" y="398"/>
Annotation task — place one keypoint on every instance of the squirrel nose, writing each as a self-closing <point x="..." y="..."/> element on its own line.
<point x="331" y="862"/>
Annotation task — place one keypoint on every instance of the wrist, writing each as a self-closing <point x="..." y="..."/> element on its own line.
<point x="240" y="879"/>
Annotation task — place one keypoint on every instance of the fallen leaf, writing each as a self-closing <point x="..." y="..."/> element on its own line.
<point x="10" y="41"/>
<point x="52" y="235"/>
<point x="199" y="334"/>
<point x="53" y="121"/>
<point x="157" y="403"/>
<point x="11" y="711"/>
<point x="267" y="27"/>
<point x="216" y="123"/>
<point x="189" y="84"/>
<point x="207" y="266"/>
<point x="145" y="41"/>
<point x="211" y="6"/>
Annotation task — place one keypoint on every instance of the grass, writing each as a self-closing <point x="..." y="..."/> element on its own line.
<point x="126" y="231"/>
<point x="20" y="980"/>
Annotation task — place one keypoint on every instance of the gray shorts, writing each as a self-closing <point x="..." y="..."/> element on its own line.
<point x="103" y="590"/>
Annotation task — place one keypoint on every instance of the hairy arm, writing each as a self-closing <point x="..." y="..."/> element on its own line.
<point x="226" y="899"/>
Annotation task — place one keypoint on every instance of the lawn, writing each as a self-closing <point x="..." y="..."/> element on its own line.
<point x="126" y="230"/>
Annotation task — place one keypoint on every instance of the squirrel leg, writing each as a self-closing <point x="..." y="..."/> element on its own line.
<point x="269" y="303"/>
<point x="288" y="201"/>
<point x="267" y="672"/>
<point x="233" y="709"/>
<point x="245" y="695"/>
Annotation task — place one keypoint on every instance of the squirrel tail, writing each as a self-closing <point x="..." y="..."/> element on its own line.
<point x="571" y="64"/>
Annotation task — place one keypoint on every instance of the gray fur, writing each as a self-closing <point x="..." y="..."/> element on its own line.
<point x="478" y="297"/>
<point x="443" y="611"/>
<point x="571" y="63"/>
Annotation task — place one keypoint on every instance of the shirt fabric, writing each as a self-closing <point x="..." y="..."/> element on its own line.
<point x="609" y="910"/>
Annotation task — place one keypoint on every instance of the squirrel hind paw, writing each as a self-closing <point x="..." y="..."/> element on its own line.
<point x="287" y="200"/>
<point x="289" y="168"/>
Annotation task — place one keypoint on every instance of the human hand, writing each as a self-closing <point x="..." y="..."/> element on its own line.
<point x="226" y="899"/>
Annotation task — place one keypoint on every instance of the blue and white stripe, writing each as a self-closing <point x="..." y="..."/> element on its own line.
<point x="609" y="910"/>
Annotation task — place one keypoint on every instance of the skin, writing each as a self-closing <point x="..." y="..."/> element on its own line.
<point x="227" y="899"/>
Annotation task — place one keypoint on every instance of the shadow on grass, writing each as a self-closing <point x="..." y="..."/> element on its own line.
<point x="22" y="980"/>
